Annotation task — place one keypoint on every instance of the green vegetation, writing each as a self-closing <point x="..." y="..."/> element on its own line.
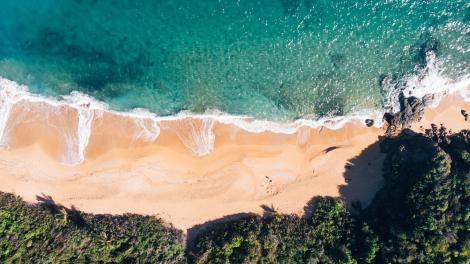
<point x="421" y="215"/>
<point x="323" y="237"/>
<point x="423" y="212"/>
<point x="50" y="233"/>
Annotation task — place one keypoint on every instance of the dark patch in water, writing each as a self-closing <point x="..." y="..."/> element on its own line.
<point x="92" y="69"/>
<point x="333" y="106"/>
<point x="330" y="101"/>
<point x="89" y="2"/>
<point x="466" y="19"/>
<point x="290" y="6"/>
<point x="309" y="3"/>
<point x="426" y="44"/>
<point x="338" y="59"/>
<point x="330" y="104"/>
<point x="292" y="57"/>
<point x="49" y="42"/>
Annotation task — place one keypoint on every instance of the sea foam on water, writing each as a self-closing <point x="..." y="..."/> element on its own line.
<point x="76" y="117"/>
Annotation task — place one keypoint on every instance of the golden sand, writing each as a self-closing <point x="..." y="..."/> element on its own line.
<point x="243" y="172"/>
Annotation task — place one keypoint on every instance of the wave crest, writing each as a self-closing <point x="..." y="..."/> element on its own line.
<point x="77" y="116"/>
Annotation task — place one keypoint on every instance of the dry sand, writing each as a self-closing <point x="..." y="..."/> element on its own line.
<point x="243" y="172"/>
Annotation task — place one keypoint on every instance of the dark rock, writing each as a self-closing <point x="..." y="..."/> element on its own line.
<point x="428" y="99"/>
<point x="369" y="122"/>
<point x="412" y="110"/>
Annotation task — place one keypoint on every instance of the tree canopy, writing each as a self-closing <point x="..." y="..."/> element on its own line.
<point x="420" y="215"/>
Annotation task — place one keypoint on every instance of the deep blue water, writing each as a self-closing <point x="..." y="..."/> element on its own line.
<point x="276" y="59"/>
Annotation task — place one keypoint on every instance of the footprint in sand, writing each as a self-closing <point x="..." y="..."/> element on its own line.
<point x="268" y="186"/>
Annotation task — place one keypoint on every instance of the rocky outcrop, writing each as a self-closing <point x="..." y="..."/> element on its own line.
<point x="369" y="122"/>
<point x="411" y="110"/>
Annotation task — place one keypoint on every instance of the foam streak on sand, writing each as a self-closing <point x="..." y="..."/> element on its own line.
<point x="4" y="114"/>
<point x="87" y="115"/>
<point x="85" y="118"/>
<point x="77" y="117"/>
<point x="196" y="134"/>
<point x="179" y="166"/>
<point x="244" y="170"/>
<point x="124" y="172"/>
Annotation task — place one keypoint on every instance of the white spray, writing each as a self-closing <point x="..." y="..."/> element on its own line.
<point x="5" y="110"/>
<point x="427" y="81"/>
<point x="10" y="94"/>
<point x="303" y="135"/>
<point x="85" y="119"/>
<point x="198" y="137"/>
<point x="146" y="125"/>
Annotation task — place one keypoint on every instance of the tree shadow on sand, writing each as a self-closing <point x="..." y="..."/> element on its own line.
<point x="217" y="224"/>
<point x="363" y="176"/>
<point x="71" y="214"/>
<point x="48" y="202"/>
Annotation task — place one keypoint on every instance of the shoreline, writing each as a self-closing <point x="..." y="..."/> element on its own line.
<point x="76" y="118"/>
<point x="242" y="172"/>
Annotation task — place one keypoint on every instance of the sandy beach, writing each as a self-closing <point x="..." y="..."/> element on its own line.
<point x="159" y="172"/>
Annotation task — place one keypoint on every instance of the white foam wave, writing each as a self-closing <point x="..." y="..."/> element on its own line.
<point x="85" y="119"/>
<point x="148" y="129"/>
<point x="303" y="136"/>
<point x="75" y="142"/>
<point x="196" y="134"/>
<point x="429" y="82"/>
<point x="5" y="110"/>
<point x="199" y="137"/>
<point x="10" y="93"/>
<point x="86" y="107"/>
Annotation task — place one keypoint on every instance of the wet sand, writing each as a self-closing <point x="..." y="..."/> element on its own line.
<point x="139" y="168"/>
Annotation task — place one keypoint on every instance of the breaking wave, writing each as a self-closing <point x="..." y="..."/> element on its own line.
<point x="75" y="117"/>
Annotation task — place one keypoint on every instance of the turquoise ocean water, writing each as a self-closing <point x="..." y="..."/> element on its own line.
<point x="273" y="59"/>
